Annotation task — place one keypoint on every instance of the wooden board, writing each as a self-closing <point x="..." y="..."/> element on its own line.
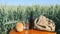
<point x="31" y="32"/>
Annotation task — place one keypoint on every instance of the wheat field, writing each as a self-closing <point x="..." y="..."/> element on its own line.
<point x="9" y="15"/>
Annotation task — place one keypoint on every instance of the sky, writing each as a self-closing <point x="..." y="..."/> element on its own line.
<point x="30" y="2"/>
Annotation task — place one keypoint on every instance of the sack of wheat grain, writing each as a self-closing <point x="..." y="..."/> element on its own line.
<point x="43" y="23"/>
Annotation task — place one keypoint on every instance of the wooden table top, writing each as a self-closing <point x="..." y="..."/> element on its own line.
<point x="31" y="32"/>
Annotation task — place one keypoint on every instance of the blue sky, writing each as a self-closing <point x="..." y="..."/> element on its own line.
<point x="30" y="2"/>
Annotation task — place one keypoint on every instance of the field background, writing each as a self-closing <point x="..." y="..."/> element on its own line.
<point x="9" y="15"/>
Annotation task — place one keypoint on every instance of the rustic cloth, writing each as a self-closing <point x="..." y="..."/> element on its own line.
<point x="43" y="23"/>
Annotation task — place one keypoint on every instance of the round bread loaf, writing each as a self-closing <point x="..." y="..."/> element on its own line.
<point x="19" y="26"/>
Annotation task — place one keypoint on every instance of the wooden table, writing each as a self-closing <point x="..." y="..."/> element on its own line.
<point x="31" y="32"/>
